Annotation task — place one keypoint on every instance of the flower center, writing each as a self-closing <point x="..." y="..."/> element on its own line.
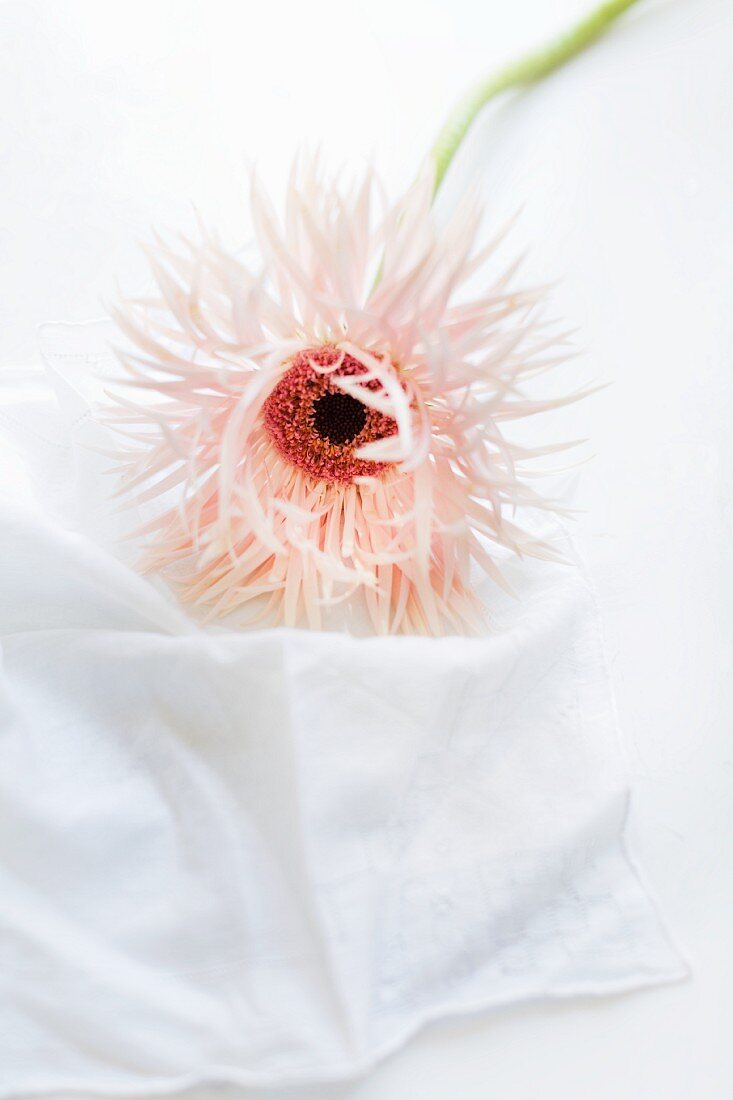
<point x="316" y="426"/>
<point x="338" y="417"/>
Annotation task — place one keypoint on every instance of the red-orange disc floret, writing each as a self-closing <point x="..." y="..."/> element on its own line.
<point x="318" y="427"/>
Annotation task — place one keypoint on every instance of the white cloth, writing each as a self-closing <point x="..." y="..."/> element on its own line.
<point x="271" y="857"/>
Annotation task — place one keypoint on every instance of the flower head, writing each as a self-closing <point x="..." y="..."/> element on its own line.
<point x="332" y="422"/>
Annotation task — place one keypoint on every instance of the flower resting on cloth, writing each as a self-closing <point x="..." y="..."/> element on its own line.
<point x="332" y="423"/>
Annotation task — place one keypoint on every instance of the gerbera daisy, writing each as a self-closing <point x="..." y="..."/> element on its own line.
<point x="333" y="421"/>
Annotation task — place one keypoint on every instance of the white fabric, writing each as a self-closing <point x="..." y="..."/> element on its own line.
<point x="270" y="857"/>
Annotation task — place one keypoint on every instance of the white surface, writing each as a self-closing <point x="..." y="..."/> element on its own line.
<point x="116" y="115"/>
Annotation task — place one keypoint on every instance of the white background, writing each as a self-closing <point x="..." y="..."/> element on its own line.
<point x="117" y="116"/>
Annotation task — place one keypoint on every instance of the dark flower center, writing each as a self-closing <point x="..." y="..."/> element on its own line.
<point x="338" y="417"/>
<point x="316" y="426"/>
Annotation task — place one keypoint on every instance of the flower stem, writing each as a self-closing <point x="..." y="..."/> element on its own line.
<point x="525" y="71"/>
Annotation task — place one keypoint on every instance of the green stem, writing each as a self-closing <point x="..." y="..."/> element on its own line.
<point x="525" y="71"/>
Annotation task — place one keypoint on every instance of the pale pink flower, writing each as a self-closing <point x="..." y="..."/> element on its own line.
<point x="332" y="423"/>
